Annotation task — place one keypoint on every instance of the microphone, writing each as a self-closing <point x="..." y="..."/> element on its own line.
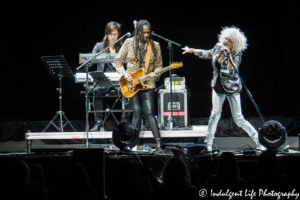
<point x="134" y="24"/>
<point x="128" y="34"/>
<point x="225" y="53"/>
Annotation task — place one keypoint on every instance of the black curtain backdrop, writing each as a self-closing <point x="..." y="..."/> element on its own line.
<point x="270" y="66"/>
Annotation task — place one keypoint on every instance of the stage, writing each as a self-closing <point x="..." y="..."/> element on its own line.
<point x="32" y="96"/>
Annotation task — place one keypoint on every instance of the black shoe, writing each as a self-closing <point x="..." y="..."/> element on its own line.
<point x="127" y="120"/>
<point x="97" y="126"/>
<point x="158" y="150"/>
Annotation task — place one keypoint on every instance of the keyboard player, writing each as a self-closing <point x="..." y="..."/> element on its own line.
<point x="112" y="33"/>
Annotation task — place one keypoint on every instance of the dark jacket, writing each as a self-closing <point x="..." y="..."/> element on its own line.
<point x="102" y="67"/>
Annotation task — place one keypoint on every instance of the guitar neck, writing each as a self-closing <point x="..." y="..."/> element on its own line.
<point x="158" y="72"/>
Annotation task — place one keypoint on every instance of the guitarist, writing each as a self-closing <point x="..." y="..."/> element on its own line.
<point x="141" y="52"/>
<point x="112" y="33"/>
<point x="226" y="83"/>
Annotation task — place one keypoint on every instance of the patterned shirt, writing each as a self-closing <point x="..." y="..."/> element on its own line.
<point x="133" y="64"/>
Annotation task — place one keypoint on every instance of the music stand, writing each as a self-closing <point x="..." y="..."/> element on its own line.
<point x="101" y="80"/>
<point x="58" y="68"/>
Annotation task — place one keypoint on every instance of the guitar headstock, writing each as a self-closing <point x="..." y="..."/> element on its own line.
<point x="176" y="65"/>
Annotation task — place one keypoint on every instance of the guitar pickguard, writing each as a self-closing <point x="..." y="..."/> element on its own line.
<point x="130" y="84"/>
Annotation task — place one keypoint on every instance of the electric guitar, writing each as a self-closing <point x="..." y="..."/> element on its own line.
<point x="129" y="89"/>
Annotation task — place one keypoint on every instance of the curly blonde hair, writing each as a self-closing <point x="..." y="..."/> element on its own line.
<point x="237" y="37"/>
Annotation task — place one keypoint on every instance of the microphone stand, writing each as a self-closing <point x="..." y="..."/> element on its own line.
<point x="170" y="42"/>
<point x="88" y="64"/>
<point x="248" y="92"/>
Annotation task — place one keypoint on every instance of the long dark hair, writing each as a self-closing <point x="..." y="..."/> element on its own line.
<point x="228" y="169"/>
<point x="138" y="36"/>
<point x="176" y="172"/>
<point x="110" y="26"/>
<point x="268" y="163"/>
<point x="127" y="177"/>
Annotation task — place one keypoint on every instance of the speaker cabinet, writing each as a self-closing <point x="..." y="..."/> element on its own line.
<point x="176" y="103"/>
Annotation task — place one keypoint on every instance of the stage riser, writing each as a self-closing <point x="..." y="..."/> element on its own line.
<point x="199" y="131"/>
<point x="223" y="143"/>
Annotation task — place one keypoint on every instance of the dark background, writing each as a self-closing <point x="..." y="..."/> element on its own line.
<point x="270" y="65"/>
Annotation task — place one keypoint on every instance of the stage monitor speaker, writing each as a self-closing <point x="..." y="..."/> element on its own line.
<point x="178" y="106"/>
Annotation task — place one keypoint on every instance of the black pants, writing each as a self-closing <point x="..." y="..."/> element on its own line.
<point x="98" y="105"/>
<point x="143" y="103"/>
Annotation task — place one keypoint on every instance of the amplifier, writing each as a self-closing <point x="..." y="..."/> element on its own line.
<point x="178" y="83"/>
<point x="178" y="105"/>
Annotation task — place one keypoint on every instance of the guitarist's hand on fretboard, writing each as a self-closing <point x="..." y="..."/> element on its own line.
<point x="153" y="75"/>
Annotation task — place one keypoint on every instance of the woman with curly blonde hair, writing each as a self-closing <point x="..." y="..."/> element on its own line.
<point x="226" y="82"/>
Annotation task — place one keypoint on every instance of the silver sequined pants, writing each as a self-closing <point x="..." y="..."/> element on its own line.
<point x="236" y="111"/>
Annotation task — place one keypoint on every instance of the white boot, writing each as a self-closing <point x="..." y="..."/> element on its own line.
<point x="260" y="147"/>
<point x="254" y="135"/>
<point x="209" y="141"/>
<point x="209" y="146"/>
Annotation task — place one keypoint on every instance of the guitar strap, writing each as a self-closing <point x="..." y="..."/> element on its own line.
<point x="148" y="55"/>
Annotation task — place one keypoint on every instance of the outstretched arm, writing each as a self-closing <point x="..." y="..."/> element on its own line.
<point x="187" y="50"/>
<point x="205" y="54"/>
